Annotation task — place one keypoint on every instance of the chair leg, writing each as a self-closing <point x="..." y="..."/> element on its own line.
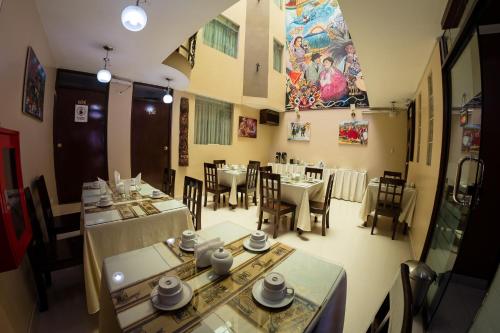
<point x="276" y="223"/>
<point x="246" y="200"/>
<point x="315" y="218"/>
<point x="216" y="200"/>
<point x="405" y="229"/>
<point x="205" y="204"/>
<point x="328" y="219"/>
<point x="254" y="198"/>
<point x="374" y="222"/>
<point x="323" y="224"/>
<point x="394" y="226"/>
<point x="292" y="222"/>
<point x="260" y="219"/>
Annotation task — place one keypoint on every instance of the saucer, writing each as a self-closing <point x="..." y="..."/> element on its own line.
<point x="257" y="295"/>
<point x="187" y="249"/>
<point x="104" y="204"/>
<point x="246" y="245"/>
<point x="186" y="298"/>
<point x="157" y="196"/>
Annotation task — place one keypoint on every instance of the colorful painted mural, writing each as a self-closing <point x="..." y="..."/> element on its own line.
<point x="323" y="70"/>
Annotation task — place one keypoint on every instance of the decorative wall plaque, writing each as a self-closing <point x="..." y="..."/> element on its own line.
<point x="184" y="132"/>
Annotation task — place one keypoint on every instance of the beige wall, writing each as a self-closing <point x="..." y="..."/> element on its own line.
<point x="20" y="27"/>
<point x="276" y="90"/>
<point x="386" y="147"/>
<point x="426" y="176"/>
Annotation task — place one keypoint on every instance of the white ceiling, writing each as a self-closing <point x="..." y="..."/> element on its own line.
<point x="394" y="40"/>
<point x="77" y="30"/>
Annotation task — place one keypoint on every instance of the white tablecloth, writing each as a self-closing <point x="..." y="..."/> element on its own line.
<point x="348" y="184"/>
<point x="106" y="234"/>
<point x="407" y="207"/>
<point x="322" y="283"/>
<point x="232" y="178"/>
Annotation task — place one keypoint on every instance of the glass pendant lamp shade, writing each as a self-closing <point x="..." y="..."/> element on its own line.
<point x="134" y="18"/>
<point x="167" y="99"/>
<point x="104" y="76"/>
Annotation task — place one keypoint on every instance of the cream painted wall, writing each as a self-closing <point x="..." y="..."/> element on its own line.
<point x="20" y="27"/>
<point x="386" y="149"/>
<point x="276" y="87"/>
<point x="426" y="176"/>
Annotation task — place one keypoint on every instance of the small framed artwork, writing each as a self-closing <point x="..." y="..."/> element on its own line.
<point x="247" y="127"/>
<point x="298" y="131"/>
<point x="353" y="132"/>
<point x="471" y="138"/>
<point x="34" y="86"/>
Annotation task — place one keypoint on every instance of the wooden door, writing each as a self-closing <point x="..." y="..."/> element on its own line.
<point x="150" y="138"/>
<point x="80" y="141"/>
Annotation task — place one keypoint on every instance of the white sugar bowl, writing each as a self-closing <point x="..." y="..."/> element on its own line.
<point x="221" y="260"/>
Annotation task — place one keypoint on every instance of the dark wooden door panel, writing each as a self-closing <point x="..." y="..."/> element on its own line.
<point x="150" y="139"/>
<point x="80" y="148"/>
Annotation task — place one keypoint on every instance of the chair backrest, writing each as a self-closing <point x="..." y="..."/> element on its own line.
<point x="169" y="181"/>
<point x="400" y="298"/>
<point x="220" y="163"/>
<point x="255" y="162"/>
<point x="392" y="174"/>
<point x="252" y="175"/>
<point x="191" y="197"/>
<point x="270" y="191"/>
<point x="390" y="193"/>
<point x="211" y="179"/>
<point x="328" y="193"/>
<point x="267" y="168"/>
<point x="48" y="216"/>
<point x="35" y="224"/>
<point x="315" y="173"/>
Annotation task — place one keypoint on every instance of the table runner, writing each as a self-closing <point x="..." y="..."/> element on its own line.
<point x="131" y="295"/>
<point x="213" y="294"/>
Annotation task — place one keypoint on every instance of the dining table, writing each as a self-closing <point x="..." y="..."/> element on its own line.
<point x="131" y="222"/>
<point x="222" y="303"/>
<point x="369" y="203"/>
<point x="232" y="177"/>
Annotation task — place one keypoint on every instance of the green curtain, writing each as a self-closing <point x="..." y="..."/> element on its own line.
<point x="213" y="122"/>
<point x="277" y="56"/>
<point x="222" y="34"/>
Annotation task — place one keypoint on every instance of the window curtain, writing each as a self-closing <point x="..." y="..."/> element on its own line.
<point x="222" y="34"/>
<point x="277" y="56"/>
<point x="213" y="122"/>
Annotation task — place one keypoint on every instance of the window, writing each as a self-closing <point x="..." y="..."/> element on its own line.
<point x="222" y="34"/>
<point x="279" y="3"/>
<point x="213" y="122"/>
<point x="419" y="124"/>
<point x="430" y="128"/>
<point x="277" y="56"/>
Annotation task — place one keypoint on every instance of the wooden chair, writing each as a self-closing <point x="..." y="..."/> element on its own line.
<point x="49" y="257"/>
<point x="168" y="186"/>
<point x="250" y="186"/>
<point x="267" y="168"/>
<point x="393" y="174"/>
<point x="395" y="313"/>
<point x="389" y="199"/>
<point x="212" y="184"/>
<point x="323" y="208"/>
<point x="315" y="173"/>
<point x="254" y="162"/>
<point x="270" y="200"/>
<point x="191" y="197"/>
<point x="220" y="163"/>
<point x="55" y="224"/>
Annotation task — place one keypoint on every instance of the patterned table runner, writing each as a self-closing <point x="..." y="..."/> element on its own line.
<point x="208" y="297"/>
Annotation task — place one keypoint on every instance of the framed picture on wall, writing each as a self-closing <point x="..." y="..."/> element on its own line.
<point x="353" y="132"/>
<point x="298" y="131"/>
<point x="34" y="86"/>
<point x="247" y="127"/>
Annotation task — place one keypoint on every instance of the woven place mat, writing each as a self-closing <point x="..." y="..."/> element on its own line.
<point x="128" y="297"/>
<point x="208" y="297"/>
<point x="125" y="210"/>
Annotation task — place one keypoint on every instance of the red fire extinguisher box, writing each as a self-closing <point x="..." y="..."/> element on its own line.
<point x="15" y="226"/>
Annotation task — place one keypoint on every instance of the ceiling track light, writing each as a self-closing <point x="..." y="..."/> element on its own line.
<point x="104" y="75"/>
<point x="167" y="98"/>
<point x="134" y="17"/>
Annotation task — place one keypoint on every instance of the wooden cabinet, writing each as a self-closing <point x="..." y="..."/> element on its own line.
<point x="15" y="226"/>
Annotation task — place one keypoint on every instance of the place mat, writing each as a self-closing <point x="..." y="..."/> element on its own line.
<point x="147" y="207"/>
<point x="134" y="195"/>
<point x="295" y="318"/>
<point x="129" y="296"/>
<point x="208" y="297"/>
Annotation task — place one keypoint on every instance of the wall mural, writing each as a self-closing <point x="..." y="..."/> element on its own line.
<point x="323" y="70"/>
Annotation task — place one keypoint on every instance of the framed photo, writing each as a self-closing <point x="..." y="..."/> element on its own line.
<point x="34" y="86"/>
<point x="247" y="127"/>
<point x="298" y="131"/>
<point x="471" y="138"/>
<point x="353" y="132"/>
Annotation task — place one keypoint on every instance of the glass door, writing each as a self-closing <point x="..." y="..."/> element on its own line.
<point x="463" y="173"/>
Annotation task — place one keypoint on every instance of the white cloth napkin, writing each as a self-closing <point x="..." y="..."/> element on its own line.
<point x="138" y="179"/>
<point x="117" y="177"/>
<point x="203" y="251"/>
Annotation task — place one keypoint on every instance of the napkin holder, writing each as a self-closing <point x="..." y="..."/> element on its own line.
<point x="203" y="251"/>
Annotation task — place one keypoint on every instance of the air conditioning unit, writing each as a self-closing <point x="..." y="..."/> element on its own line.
<point x="269" y="117"/>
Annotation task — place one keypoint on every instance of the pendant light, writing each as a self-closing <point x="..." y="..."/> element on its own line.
<point x="134" y="18"/>
<point x="167" y="99"/>
<point x="104" y="75"/>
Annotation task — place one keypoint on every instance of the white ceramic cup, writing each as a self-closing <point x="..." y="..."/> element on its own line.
<point x="258" y="239"/>
<point x="120" y="187"/>
<point x="170" y="290"/>
<point x="274" y="287"/>
<point x="156" y="193"/>
<point x="104" y="199"/>
<point x="188" y="239"/>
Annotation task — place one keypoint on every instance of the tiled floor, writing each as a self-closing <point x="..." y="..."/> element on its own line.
<point x="371" y="263"/>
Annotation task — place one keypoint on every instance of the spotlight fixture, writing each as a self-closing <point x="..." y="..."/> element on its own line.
<point x="134" y="18"/>
<point x="167" y="98"/>
<point x="104" y="75"/>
